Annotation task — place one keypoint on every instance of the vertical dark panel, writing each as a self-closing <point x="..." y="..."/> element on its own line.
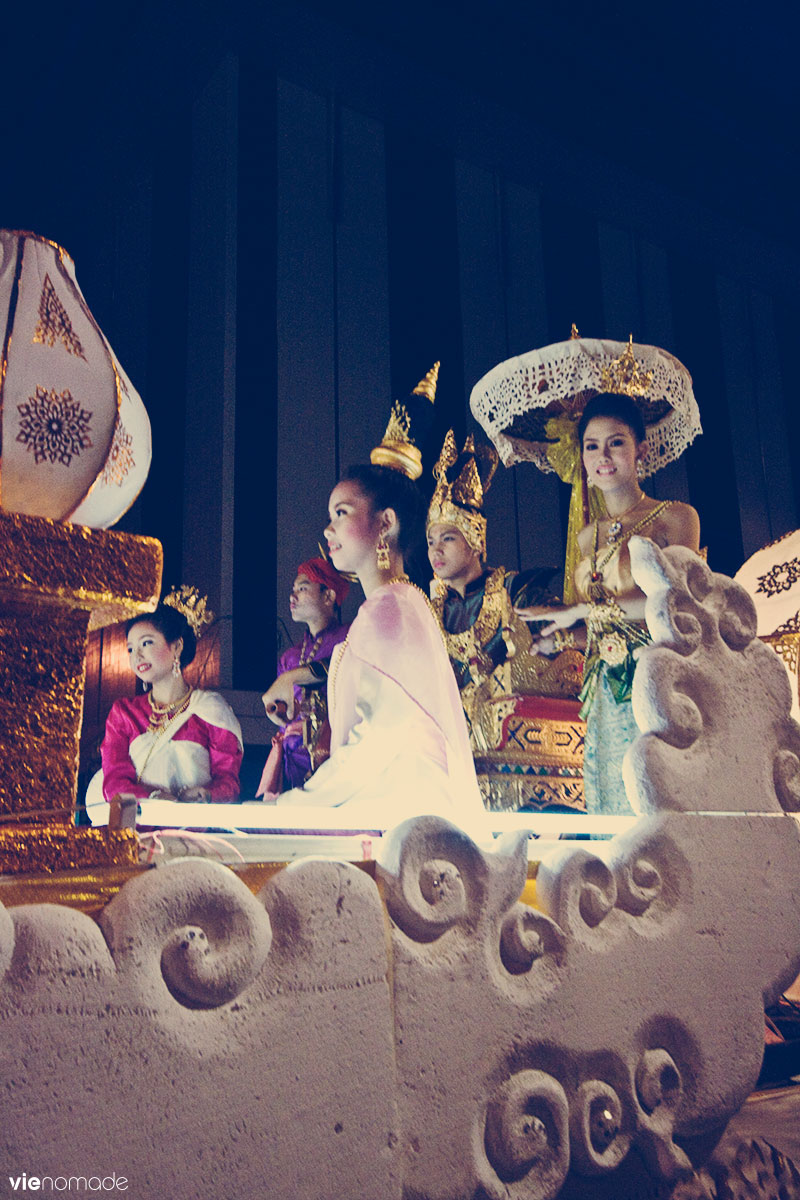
<point x="776" y="450"/>
<point x="572" y="272"/>
<point x="209" y="467"/>
<point x="750" y="424"/>
<point x="255" y="493"/>
<point x="620" y="283"/>
<point x="424" y="305"/>
<point x="131" y="292"/>
<point x="636" y="300"/>
<point x="482" y="245"/>
<point x="540" y="530"/>
<point x="165" y="392"/>
<point x="671" y="482"/>
<point x="709" y="460"/>
<point x="362" y="287"/>
<point x="787" y="323"/>
<point x="573" y="282"/>
<point x="306" y="276"/>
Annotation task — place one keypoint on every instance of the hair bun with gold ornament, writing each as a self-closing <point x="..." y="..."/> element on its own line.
<point x="397" y="448"/>
<point x="462" y="481"/>
<point x="193" y="606"/>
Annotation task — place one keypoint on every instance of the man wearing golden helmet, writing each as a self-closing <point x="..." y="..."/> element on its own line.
<point x="474" y="603"/>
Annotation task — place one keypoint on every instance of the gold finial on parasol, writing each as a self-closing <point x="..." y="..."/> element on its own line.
<point x="623" y="377"/>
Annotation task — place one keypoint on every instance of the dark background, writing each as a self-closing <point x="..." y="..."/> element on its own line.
<point x="281" y="215"/>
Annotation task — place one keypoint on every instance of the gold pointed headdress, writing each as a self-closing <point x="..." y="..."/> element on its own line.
<point x="462" y="481"/>
<point x="397" y="449"/>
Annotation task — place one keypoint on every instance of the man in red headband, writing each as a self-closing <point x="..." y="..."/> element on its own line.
<point x="296" y="700"/>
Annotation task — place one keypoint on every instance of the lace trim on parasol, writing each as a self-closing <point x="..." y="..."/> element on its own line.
<point x="516" y="398"/>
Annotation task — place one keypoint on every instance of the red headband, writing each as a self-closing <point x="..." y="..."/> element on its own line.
<point x="324" y="573"/>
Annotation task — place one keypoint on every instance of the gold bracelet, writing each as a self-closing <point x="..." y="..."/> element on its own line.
<point x="562" y="639"/>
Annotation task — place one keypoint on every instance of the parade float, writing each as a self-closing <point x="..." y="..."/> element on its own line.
<point x="446" y="1021"/>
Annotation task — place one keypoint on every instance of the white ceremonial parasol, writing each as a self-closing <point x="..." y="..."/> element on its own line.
<point x="75" y="433"/>
<point x="514" y="401"/>
<point x="530" y="405"/>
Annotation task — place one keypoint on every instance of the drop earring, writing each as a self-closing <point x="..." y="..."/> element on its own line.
<point x="176" y="668"/>
<point x="382" y="553"/>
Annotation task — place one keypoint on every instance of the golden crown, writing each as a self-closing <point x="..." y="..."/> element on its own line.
<point x="458" y="501"/>
<point x="396" y="448"/>
<point x="193" y="606"/>
<point x="623" y="377"/>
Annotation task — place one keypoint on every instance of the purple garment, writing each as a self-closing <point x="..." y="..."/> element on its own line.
<point x="296" y="760"/>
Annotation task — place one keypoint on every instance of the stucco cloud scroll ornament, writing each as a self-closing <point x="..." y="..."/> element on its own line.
<point x="626" y="1011"/>
<point x="75" y="434"/>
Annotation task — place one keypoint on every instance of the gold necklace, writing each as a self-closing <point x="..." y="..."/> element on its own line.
<point x="597" y="569"/>
<point x="308" y="656"/>
<point x="162" y="714"/>
<point x="615" y="528"/>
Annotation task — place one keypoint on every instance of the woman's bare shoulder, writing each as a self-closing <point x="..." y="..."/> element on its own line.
<point x="682" y="525"/>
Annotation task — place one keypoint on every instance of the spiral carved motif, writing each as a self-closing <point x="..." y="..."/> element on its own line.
<point x="737" y="622"/>
<point x="528" y="935"/>
<point x="442" y="887"/>
<point x="598" y="892"/>
<point x="786" y="777"/>
<point x="639" y="884"/>
<point x="601" y="1134"/>
<point x="658" y="1080"/>
<point x="196" y="924"/>
<point x="686" y="627"/>
<point x="527" y="1135"/>
<point x="435" y="878"/>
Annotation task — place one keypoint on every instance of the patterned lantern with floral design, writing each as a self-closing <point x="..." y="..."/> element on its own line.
<point x="75" y="434"/>
<point x="771" y="576"/>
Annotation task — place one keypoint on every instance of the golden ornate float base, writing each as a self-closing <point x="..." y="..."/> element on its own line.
<point x="57" y="581"/>
<point x="538" y="761"/>
<point x="509" y="792"/>
<point x="44" y="849"/>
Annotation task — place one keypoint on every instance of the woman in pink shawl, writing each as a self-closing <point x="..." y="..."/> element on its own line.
<point x="174" y="741"/>
<point x="399" y="744"/>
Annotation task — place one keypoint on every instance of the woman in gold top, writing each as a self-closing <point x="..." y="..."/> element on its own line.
<point x="610" y="612"/>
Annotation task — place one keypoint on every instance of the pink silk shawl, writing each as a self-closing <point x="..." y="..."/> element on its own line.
<point x="397" y="635"/>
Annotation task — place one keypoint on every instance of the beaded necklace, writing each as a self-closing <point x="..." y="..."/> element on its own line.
<point x="615" y="528"/>
<point x="307" y="652"/>
<point x="162" y="718"/>
<point x="162" y="714"/>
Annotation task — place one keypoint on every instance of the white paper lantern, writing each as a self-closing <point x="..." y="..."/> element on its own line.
<point x="75" y="435"/>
